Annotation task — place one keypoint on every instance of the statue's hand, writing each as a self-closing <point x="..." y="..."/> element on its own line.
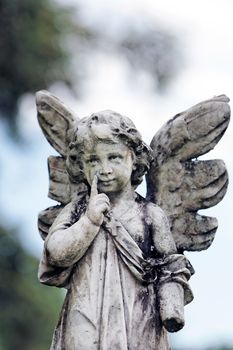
<point x="98" y="205"/>
<point x="171" y="300"/>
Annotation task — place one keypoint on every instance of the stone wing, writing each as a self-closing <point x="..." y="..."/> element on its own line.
<point x="57" y="123"/>
<point x="179" y="182"/>
<point x="55" y="119"/>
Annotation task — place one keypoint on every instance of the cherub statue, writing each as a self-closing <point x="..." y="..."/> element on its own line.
<point x="121" y="256"/>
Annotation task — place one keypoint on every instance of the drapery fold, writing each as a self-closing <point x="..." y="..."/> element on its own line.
<point x="111" y="300"/>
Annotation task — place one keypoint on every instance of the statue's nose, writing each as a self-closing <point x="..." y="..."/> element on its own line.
<point x="105" y="169"/>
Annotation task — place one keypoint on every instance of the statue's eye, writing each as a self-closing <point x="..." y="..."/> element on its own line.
<point x="92" y="161"/>
<point x="115" y="157"/>
<point x="73" y="158"/>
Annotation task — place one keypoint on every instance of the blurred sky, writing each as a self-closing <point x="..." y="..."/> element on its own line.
<point x="205" y="34"/>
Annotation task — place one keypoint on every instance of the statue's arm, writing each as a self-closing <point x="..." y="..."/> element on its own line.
<point x="67" y="243"/>
<point x="162" y="237"/>
<point x="172" y="273"/>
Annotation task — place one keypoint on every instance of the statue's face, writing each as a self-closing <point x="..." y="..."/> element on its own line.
<point x="112" y="162"/>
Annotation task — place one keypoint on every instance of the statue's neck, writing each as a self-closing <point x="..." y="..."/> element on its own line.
<point x="121" y="201"/>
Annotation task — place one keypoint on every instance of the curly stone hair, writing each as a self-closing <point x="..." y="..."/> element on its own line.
<point x="110" y="127"/>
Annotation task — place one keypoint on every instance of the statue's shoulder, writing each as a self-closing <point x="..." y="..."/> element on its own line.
<point x="150" y="210"/>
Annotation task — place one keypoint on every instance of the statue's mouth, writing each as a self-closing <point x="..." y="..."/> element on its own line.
<point x="106" y="182"/>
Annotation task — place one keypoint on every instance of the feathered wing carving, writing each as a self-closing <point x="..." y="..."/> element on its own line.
<point x="177" y="181"/>
<point x="180" y="183"/>
<point x="57" y="122"/>
<point x="55" y="119"/>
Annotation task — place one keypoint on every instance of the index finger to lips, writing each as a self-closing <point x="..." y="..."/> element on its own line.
<point x="94" y="190"/>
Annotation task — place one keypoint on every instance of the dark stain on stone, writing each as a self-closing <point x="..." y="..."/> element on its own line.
<point x="145" y="299"/>
<point x="79" y="209"/>
<point x="146" y="244"/>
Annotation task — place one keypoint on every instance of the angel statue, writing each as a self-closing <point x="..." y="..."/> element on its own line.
<point x="121" y="256"/>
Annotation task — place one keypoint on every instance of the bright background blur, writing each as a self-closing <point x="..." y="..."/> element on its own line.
<point x="202" y="66"/>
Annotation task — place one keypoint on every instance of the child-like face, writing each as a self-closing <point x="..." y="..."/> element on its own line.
<point x="112" y="162"/>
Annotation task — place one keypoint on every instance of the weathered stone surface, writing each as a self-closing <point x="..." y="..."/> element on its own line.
<point x="182" y="185"/>
<point x="126" y="276"/>
<point x="46" y="219"/>
<point x="55" y="119"/>
<point x="61" y="188"/>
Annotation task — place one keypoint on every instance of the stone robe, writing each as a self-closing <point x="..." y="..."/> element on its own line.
<point x="111" y="301"/>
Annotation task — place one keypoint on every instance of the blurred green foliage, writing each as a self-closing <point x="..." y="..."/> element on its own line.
<point x="153" y="51"/>
<point x="42" y="42"/>
<point x="31" y="53"/>
<point x="29" y="311"/>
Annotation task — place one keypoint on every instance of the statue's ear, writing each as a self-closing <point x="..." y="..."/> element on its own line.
<point x="55" y="119"/>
